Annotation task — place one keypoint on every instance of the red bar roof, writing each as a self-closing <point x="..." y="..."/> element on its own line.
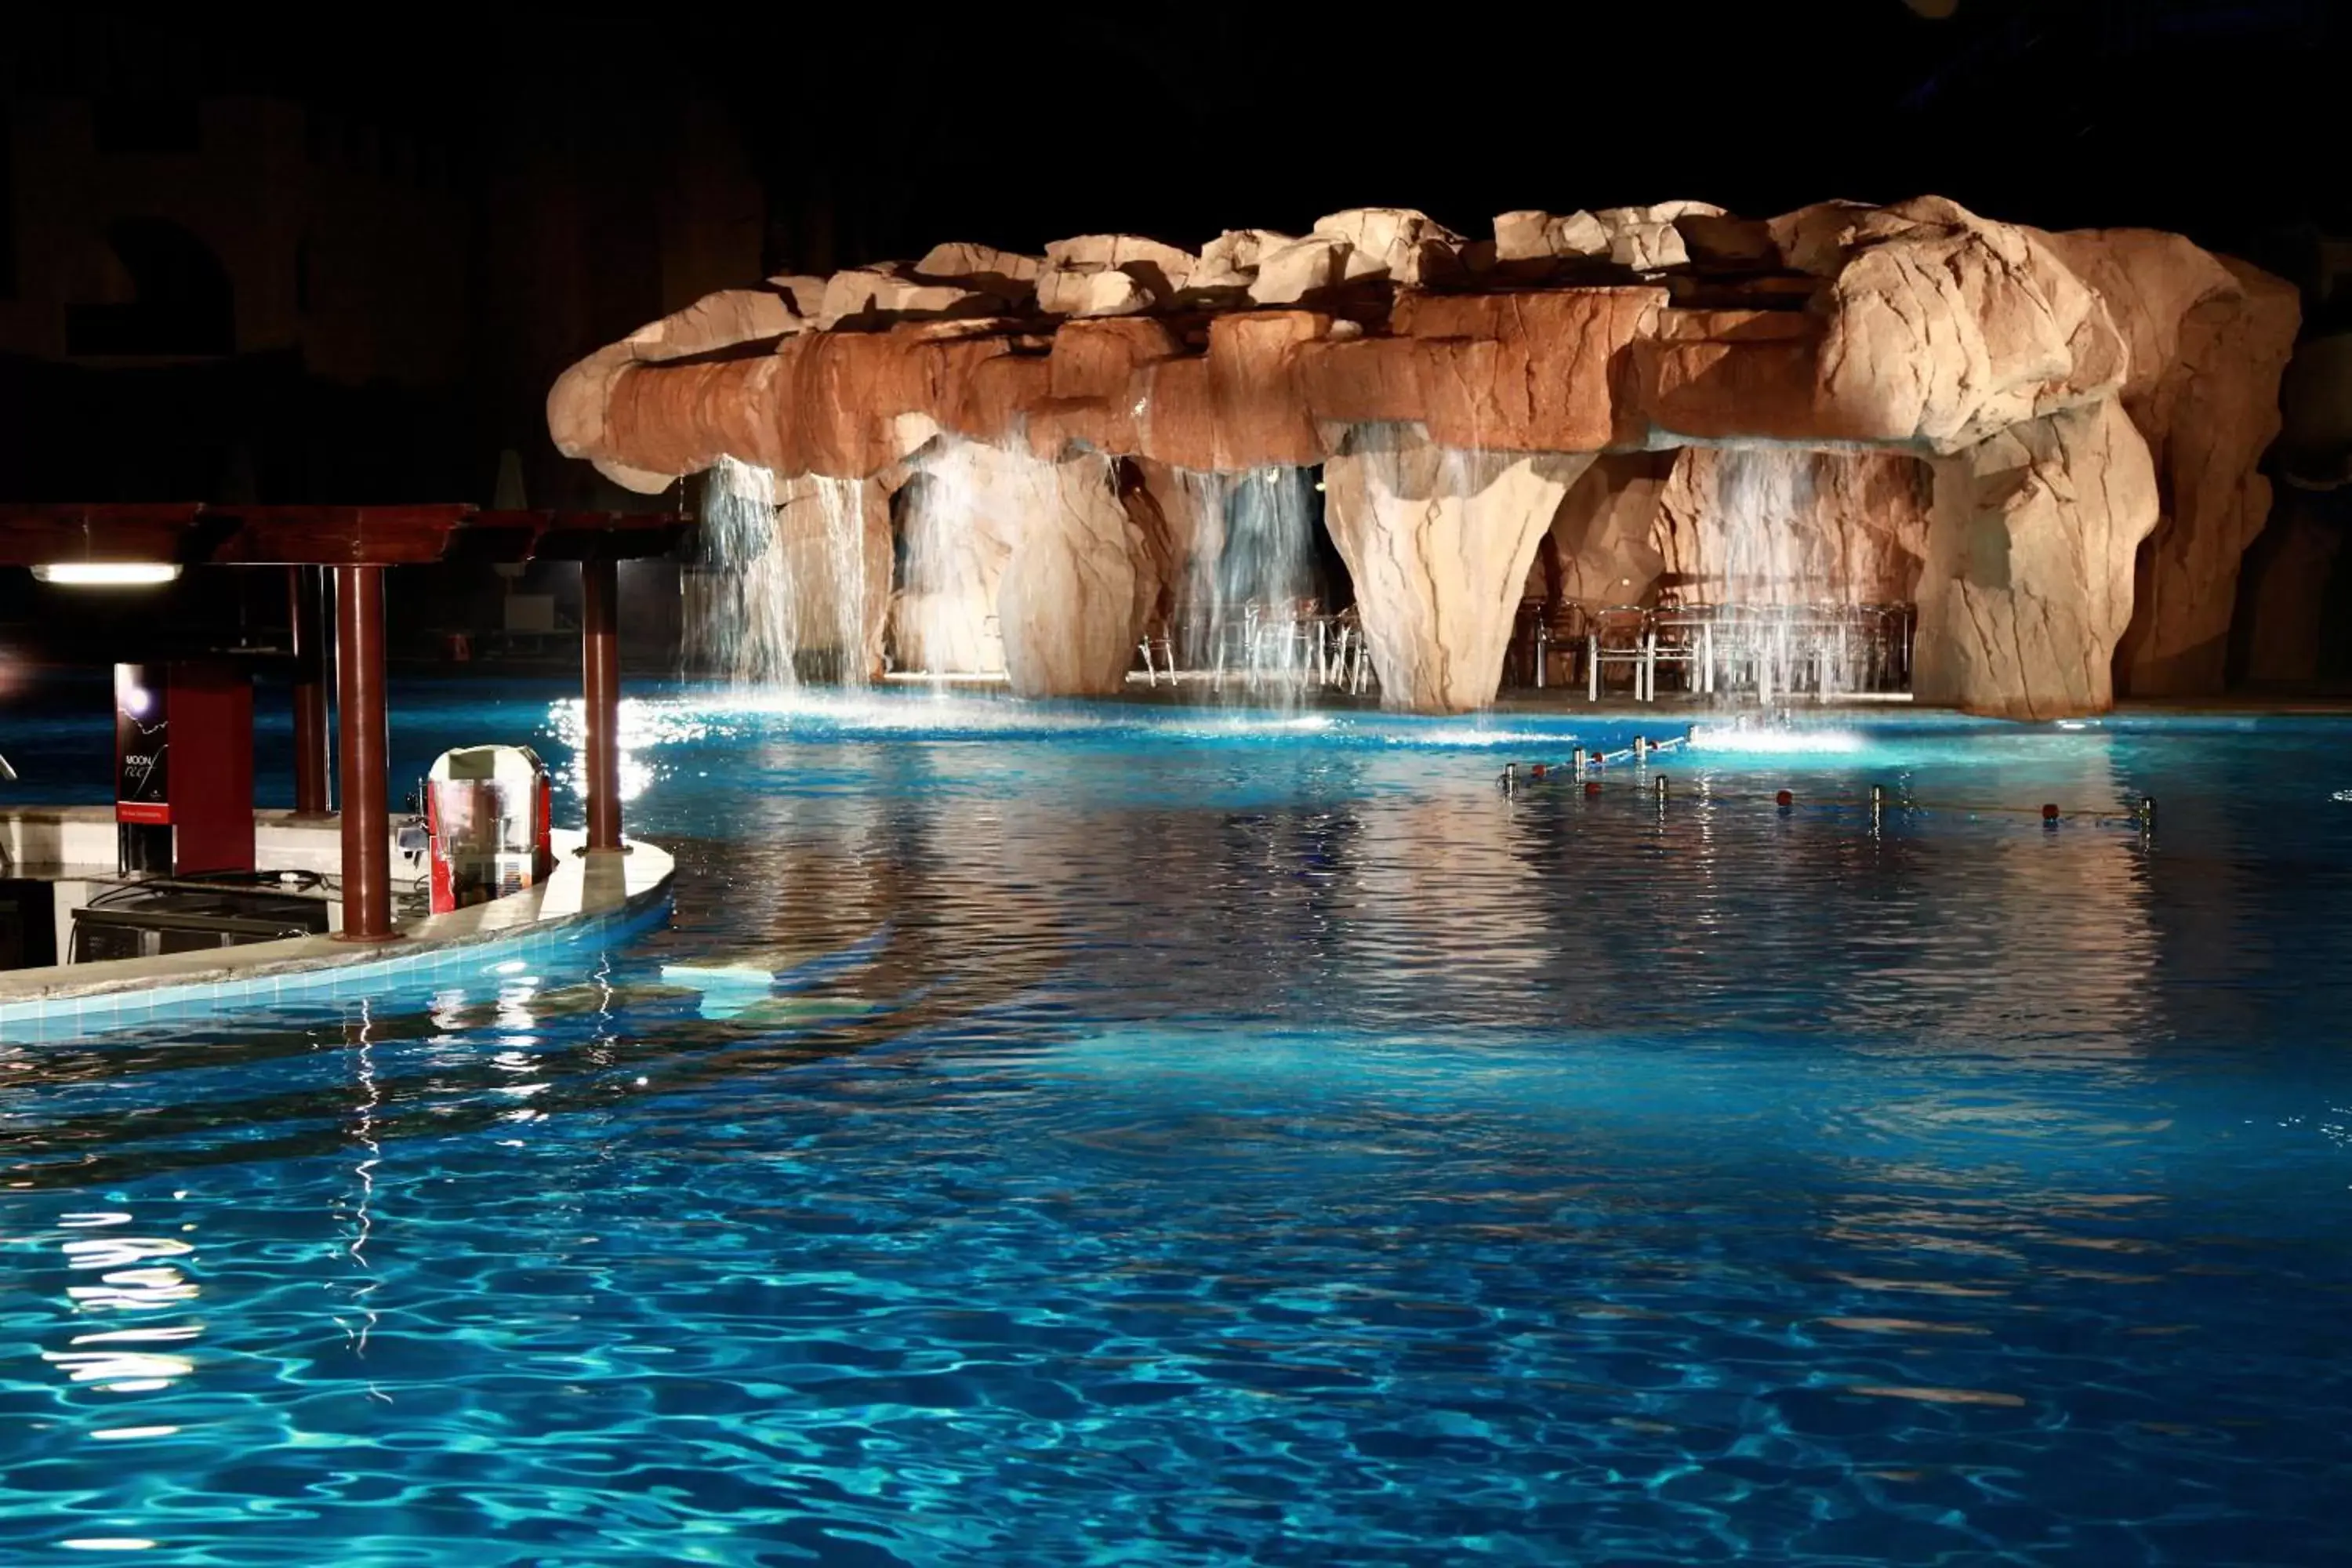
<point x="190" y="533"/>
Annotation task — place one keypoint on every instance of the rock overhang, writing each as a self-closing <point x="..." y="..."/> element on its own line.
<point x="1917" y="327"/>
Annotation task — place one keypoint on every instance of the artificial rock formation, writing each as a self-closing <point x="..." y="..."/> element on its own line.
<point x="1775" y="525"/>
<point x="1438" y="540"/>
<point x="1068" y="600"/>
<point x="1044" y="571"/>
<point x="2028" y="582"/>
<point x="841" y="596"/>
<point x="791" y="566"/>
<point x="2210" y="338"/>
<point x="1605" y="380"/>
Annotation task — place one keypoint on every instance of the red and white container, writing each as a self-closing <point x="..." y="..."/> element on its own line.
<point x="488" y="809"/>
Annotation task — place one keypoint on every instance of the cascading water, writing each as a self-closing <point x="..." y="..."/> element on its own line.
<point x="1775" y="586"/>
<point x="779" y="578"/>
<point x="1760" y="497"/>
<point x="841" y="508"/>
<point x="1249" y="606"/>
<point x="944" y="618"/>
<point x="741" y="616"/>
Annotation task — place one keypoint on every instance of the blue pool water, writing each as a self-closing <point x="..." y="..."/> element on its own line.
<point x="1183" y="1137"/>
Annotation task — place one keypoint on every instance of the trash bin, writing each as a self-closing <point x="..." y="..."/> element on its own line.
<point x="488" y="809"/>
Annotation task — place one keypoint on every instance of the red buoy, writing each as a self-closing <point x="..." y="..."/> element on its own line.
<point x="1784" y="798"/>
<point x="1592" y="786"/>
<point x="2048" y="814"/>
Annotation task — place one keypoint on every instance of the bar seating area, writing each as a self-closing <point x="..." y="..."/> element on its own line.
<point x="184" y="826"/>
<point x="1297" y="645"/>
<point x="1770" y="652"/>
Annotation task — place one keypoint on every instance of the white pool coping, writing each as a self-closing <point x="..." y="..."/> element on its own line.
<point x="587" y="896"/>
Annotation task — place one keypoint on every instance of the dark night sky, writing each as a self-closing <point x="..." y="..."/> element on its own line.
<point x="878" y="130"/>
<point x="1019" y="124"/>
<point x="888" y="128"/>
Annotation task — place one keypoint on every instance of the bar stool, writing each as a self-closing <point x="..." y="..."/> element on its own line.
<point x="1619" y="635"/>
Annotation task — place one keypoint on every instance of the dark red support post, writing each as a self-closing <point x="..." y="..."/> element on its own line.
<point x="600" y="685"/>
<point x="360" y="701"/>
<point x="306" y="606"/>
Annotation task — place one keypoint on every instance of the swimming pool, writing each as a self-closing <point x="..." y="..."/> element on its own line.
<point x="1188" y="1137"/>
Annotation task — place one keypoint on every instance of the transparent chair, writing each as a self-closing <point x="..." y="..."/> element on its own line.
<point x="1563" y="640"/>
<point x="1617" y="635"/>
<point x="1681" y="635"/>
<point x="1158" y="651"/>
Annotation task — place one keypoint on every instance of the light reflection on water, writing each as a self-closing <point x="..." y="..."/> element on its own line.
<point x="1178" y="1138"/>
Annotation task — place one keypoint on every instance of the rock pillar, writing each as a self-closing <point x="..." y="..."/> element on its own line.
<point x="2028" y="582"/>
<point x="1070" y="603"/>
<point x="2209" y="339"/>
<point x="1019" y="563"/>
<point x="834" y="535"/>
<point x="1439" y="542"/>
<point x="2208" y="421"/>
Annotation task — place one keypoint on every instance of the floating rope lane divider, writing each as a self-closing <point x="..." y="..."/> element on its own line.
<point x="1876" y="803"/>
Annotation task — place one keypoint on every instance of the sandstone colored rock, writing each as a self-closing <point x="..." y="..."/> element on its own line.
<point x="1816" y="239"/>
<point x="1092" y="294"/>
<point x="982" y="267"/>
<point x="576" y="403"/>
<point x="720" y="320"/>
<point x="1238" y="405"/>
<point x="1438" y="542"/>
<point x="1772" y="525"/>
<point x="1531" y="236"/>
<point x="1163" y="268"/>
<point x="840" y="601"/>
<point x="1919" y="330"/>
<point x="1229" y="263"/>
<point x="862" y="291"/>
<point x="1945" y="329"/>
<point x="1532" y="372"/>
<point x="1300" y="270"/>
<point x="1397" y="243"/>
<point x="2027" y="581"/>
<point x="1717" y="237"/>
<point x="1036" y="568"/>
<point x="1730" y="374"/>
<point x="1072" y="597"/>
<point x="1169" y="530"/>
<point x="1604" y="540"/>
<point x="2208" y="342"/>
<point x="794" y="575"/>
<point x="964" y="518"/>
<point x="1646" y="238"/>
<point x="805" y="293"/>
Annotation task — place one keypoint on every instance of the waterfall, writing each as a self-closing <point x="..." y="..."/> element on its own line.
<point x="944" y="616"/>
<point x="1774" y="563"/>
<point x="1251" y="577"/>
<point x="781" y="574"/>
<point x="1763" y="502"/>
<point x="742" y="615"/>
<point x="841" y="507"/>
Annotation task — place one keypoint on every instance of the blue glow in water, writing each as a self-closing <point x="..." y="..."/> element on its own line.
<point x="1190" y="1137"/>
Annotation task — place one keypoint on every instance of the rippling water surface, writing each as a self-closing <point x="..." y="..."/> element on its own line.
<point x="1189" y="1138"/>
